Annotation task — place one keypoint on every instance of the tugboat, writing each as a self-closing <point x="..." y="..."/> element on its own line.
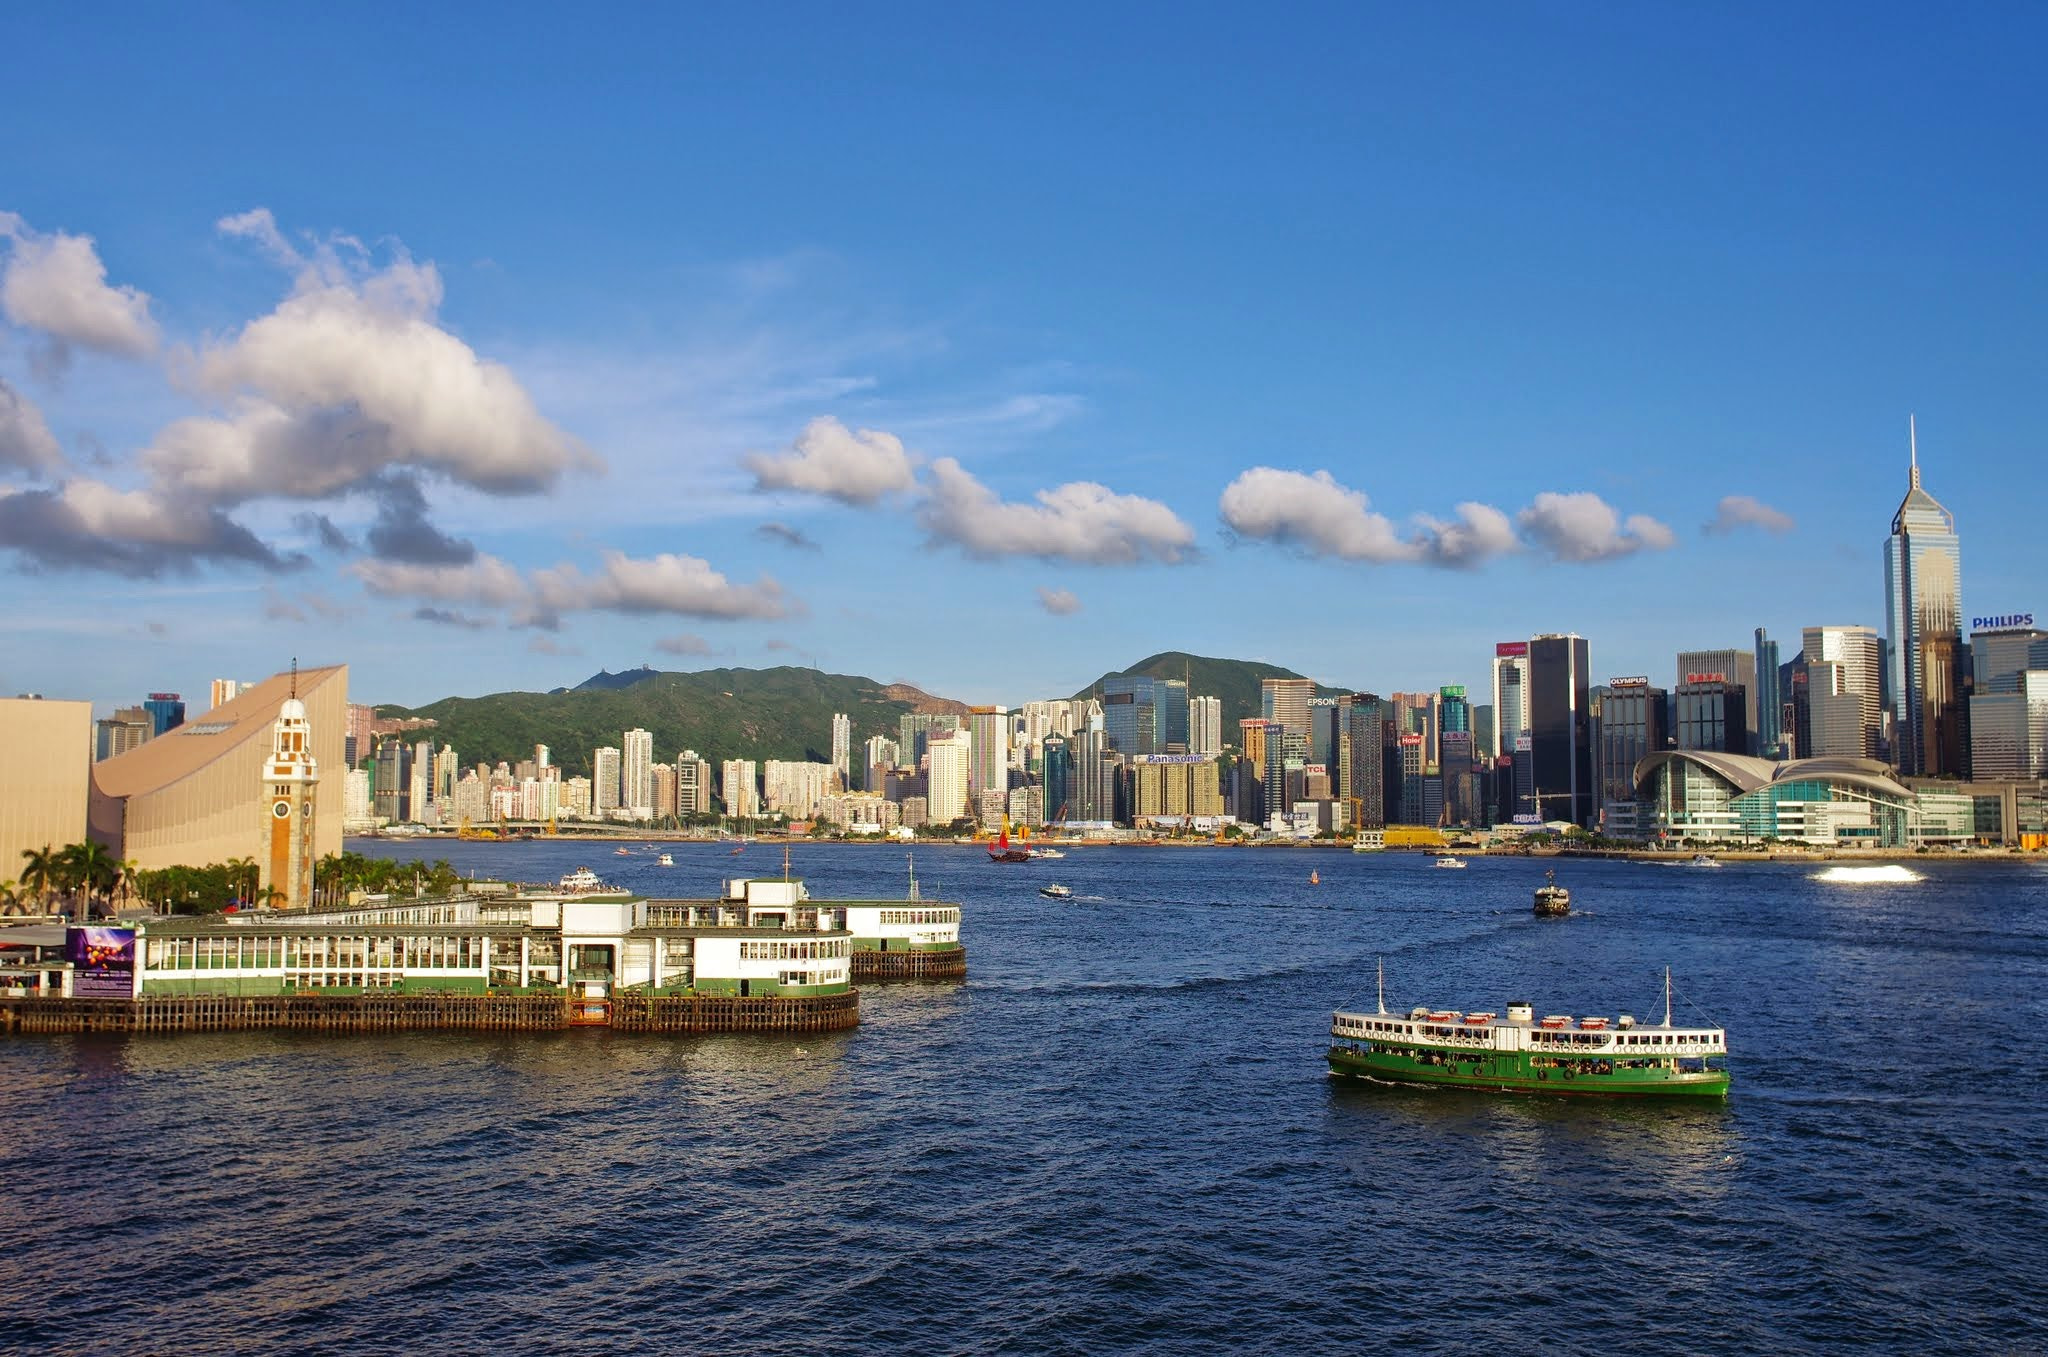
<point x="1520" y="1054"/>
<point x="1002" y="850"/>
<point x="1552" y="900"/>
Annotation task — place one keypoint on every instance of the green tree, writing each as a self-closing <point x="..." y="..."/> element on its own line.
<point x="41" y="871"/>
<point x="90" y="873"/>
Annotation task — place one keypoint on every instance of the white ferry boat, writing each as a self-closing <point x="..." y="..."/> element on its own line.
<point x="1447" y="860"/>
<point x="582" y="881"/>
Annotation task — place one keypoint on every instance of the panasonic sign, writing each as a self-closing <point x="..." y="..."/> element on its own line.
<point x="2003" y="622"/>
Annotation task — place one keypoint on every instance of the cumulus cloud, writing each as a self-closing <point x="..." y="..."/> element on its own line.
<point x="786" y="535"/>
<point x="1059" y="602"/>
<point x="1745" y="511"/>
<point x="56" y="285"/>
<point x="852" y="466"/>
<point x="1314" y="513"/>
<point x="1080" y="521"/>
<point x="1478" y="534"/>
<point x="664" y="584"/>
<point x="683" y="643"/>
<point x="26" y="443"/>
<point x="1583" y="527"/>
<point x="89" y="525"/>
<point x="352" y="375"/>
<point x="1321" y="516"/>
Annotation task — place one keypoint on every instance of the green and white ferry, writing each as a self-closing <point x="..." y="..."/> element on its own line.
<point x="1521" y="1053"/>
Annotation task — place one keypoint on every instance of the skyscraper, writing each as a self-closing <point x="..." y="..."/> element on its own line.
<point x="1730" y="666"/>
<point x="948" y="753"/>
<point x="1510" y="696"/>
<point x="636" y="774"/>
<point x="223" y="691"/>
<point x="1130" y="714"/>
<point x="1923" y="571"/>
<point x="1560" y="730"/>
<point x="1205" y="726"/>
<point x="1770" y="699"/>
<point x="988" y="756"/>
<point x="1285" y="701"/>
<point x="842" y="747"/>
<point x="604" y="781"/>
<point x="1853" y="685"/>
<point x="1362" y="779"/>
<point x="1630" y="727"/>
<point x="1252" y="735"/>
<point x="740" y="788"/>
<point x="1057" y="762"/>
<point x="166" y="711"/>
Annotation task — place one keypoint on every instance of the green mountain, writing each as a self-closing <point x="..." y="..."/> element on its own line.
<point x="783" y="713"/>
<point x="1235" y="681"/>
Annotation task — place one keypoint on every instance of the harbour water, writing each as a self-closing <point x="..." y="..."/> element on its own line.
<point x="1117" y="1134"/>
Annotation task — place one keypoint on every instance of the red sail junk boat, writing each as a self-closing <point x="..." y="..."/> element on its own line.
<point x="1001" y="851"/>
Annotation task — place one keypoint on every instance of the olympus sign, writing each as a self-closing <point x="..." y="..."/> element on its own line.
<point x="2003" y="622"/>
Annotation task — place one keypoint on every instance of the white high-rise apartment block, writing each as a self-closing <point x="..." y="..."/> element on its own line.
<point x="355" y="800"/>
<point x="842" y="747"/>
<point x="880" y="755"/>
<point x="1205" y="725"/>
<point x="636" y="787"/>
<point x="795" y="789"/>
<point x="576" y="798"/>
<point x="741" y="791"/>
<point x="604" y="781"/>
<point x="225" y="691"/>
<point x="946" y="753"/>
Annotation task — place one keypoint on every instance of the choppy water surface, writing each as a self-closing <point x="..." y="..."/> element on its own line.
<point x="1117" y="1134"/>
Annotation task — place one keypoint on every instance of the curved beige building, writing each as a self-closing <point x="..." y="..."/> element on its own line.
<point x="198" y="794"/>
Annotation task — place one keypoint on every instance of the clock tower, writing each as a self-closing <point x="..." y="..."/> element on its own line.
<point x="291" y="782"/>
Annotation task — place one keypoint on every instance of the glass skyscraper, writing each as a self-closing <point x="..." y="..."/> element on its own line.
<point x="1560" y="728"/>
<point x="1770" y="699"/>
<point x="1923" y="572"/>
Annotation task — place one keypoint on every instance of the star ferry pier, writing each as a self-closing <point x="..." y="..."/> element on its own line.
<point x="763" y="957"/>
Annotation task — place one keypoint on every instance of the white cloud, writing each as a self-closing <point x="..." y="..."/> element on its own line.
<point x="1583" y="527"/>
<point x="1080" y="521"/>
<point x="827" y="458"/>
<point x="349" y="376"/>
<point x="484" y="582"/>
<point x="1314" y="513"/>
<point x="1745" y="511"/>
<point x="1059" y="602"/>
<point x="26" y="442"/>
<point x="666" y="583"/>
<point x="55" y="284"/>
<point x="1478" y="534"/>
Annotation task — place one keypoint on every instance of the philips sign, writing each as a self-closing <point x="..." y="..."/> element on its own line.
<point x="2003" y="622"/>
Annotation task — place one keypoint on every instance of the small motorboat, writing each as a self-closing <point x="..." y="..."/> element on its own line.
<point x="1552" y="900"/>
<point x="666" y="860"/>
<point x="1313" y="878"/>
<point x="1448" y="860"/>
<point x="622" y="852"/>
<point x="1056" y="891"/>
<point x="1046" y="853"/>
<point x="1704" y="860"/>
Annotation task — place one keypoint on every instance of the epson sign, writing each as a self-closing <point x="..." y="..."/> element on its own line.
<point x="2003" y="622"/>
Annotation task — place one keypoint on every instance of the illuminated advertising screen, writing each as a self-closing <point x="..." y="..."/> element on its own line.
<point x="1505" y="649"/>
<point x="102" y="962"/>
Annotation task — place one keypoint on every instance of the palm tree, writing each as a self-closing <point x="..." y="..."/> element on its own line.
<point x="91" y="870"/>
<point x="242" y="875"/>
<point x="40" y="871"/>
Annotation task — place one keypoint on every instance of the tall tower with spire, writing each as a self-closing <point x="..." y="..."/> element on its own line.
<point x="291" y="785"/>
<point x="1923" y="587"/>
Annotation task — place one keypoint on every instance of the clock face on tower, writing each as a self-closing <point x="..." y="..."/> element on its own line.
<point x="282" y="810"/>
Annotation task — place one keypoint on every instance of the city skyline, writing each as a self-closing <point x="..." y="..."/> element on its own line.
<point x="701" y="421"/>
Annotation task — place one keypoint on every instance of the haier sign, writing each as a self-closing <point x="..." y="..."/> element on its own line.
<point x="2003" y="622"/>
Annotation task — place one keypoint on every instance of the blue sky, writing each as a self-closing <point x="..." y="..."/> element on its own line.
<point x="483" y="353"/>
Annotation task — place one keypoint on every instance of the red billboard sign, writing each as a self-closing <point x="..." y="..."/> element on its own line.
<point x="1706" y="678"/>
<point x="1508" y="649"/>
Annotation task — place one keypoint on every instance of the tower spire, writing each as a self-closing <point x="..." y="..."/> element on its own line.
<point x="1913" y="446"/>
<point x="295" y="676"/>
